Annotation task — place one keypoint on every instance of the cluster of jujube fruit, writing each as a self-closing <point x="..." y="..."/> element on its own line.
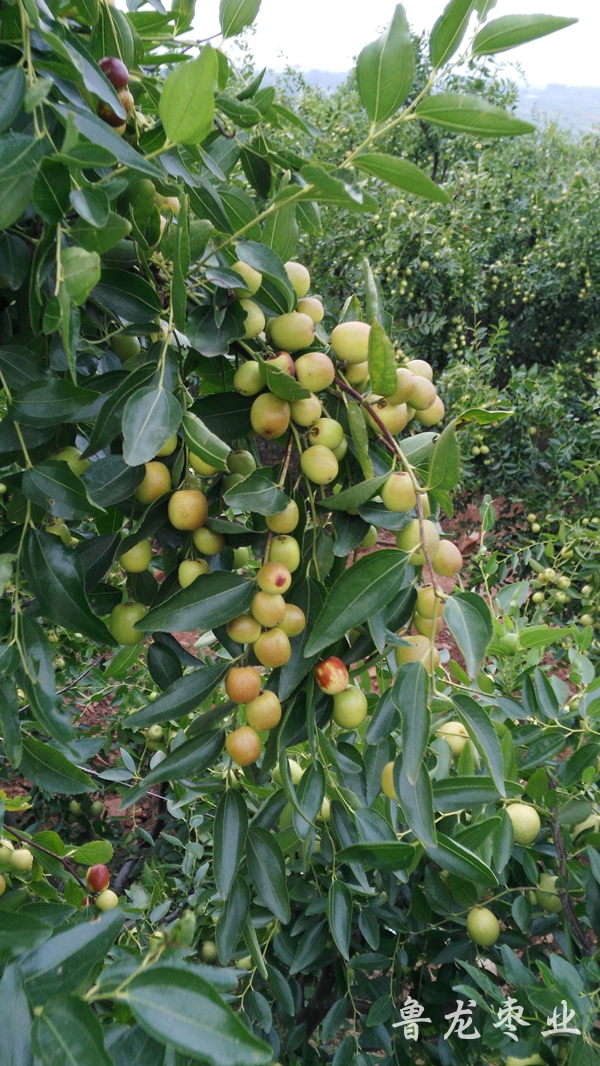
<point x="20" y="862"/>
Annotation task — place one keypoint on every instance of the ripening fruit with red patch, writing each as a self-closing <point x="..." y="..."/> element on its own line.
<point x="115" y="70"/>
<point x="274" y="578"/>
<point x="242" y="684"/>
<point x="243" y="745"/>
<point x="332" y="675"/>
<point x="106" y="113"/>
<point x="98" y="877"/>
<point x="283" y="361"/>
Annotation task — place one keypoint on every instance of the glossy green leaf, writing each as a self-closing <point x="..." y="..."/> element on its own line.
<point x="15" y="1018"/>
<point x="48" y="403"/>
<point x="21" y="932"/>
<point x="309" y="797"/>
<point x="80" y="273"/>
<point x="382" y="362"/>
<point x="54" y="486"/>
<point x="354" y="497"/>
<point x="109" y="422"/>
<point x="483" y="735"/>
<point x="188" y="760"/>
<point x="323" y="186"/>
<point x="205" y="604"/>
<point x="417" y="803"/>
<point x="456" y="793"/>
<point x="339" y="916"/>
<point x="56" y="578"/>
<point x="14" y="255"/>
<point x="309" y="949"/>
<point x="37" y="678"/>
<point x="276" y="289"/>
<point x="50" y="192"/>
<point x="232" y="919"/>
<point x="231" y="828"/>
<point x="51" y="770"/>
<point x="401" y="174"/>
<point x="181" y="698"/>
<point x="510" y="31"/>
<point x="131" y="1046"/>
<point x="12" y="92"/>
<point x="267" y="870"/>
<point x="409" y="695"/>
<point x="127" y="295"/>
<point x="110" y="480"/>
<point x="361" y="590"/>
<point x="92" y="205"/>
<point x="444" y="465"/>
<point x="449" y="31"/>
<point x="257" y="493"/>
<point x="9" y="722"/>
<point x="386" y="68"/>
<point x="102" y="239"/>
<point x="463" y="113"/>
<point x="68" y="1031"/>
<point x="201" y="441"/>
<point x="235" y="15"/>
<point x="20" y="156"/>
<point x="62" y="963"/>
<point x="150" y="419"/>
<point x="469" y="620"/>
<point x="384" y="856"/>
<point x="180" y="1008"/>
<point x="187" y="101"/>
<point x="92" y="852"/>
<point x="460" y="861"/>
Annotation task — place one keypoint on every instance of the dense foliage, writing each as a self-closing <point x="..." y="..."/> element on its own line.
<point x="224" y="570"/>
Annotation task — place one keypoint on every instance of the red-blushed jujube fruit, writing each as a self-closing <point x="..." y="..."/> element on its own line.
<point x="98" y="877"/>
<point x="274" y="578"/>
<point x="332" y="675"/>
<point x="115" y="70"/>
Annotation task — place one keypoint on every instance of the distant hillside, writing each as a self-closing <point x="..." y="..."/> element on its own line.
<point x="574" y="107"/>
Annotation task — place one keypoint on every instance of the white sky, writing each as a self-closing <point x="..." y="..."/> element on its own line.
<point x="326" y="34"/>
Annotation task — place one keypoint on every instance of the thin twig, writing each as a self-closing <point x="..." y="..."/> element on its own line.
<point x="26" y="840"/>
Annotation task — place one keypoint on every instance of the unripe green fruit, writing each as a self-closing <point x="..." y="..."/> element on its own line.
<point x="433" y="414"/>
<point x="155" y="732"/>
<point x="319" y="464"/>
<point x="208" y="542"/>
<point x="547" y="896"/>
<point x="295" y="770"/>
<point x="6" y="849"/>
<point x="75" y="807"/>
<point x="409" y="540"/>
<point x="244" y="629"/>
<point x="107" y="900"/>
<point x="370" y="538"/>
<point x="294" y="620"/>
<point x="482" y="926"/>
<point x="247" y="380"/>
<point x="21" y="860"/>
<point x="122" y="620"/>
<point x="169" y="447"/>
<point x="137" y="559"/>
<point x="340" y="451"/>
<point x="510" y="643"/>
<point x="324" y="814"/>
<point x="187" y="509"/>
<point x="157" y="481"/>
<point x="273" y="648"/>
<point x="327" y="432"/>
<point x="387" y="781"/>
<point x="587" y="590"/>
<point x="393" y="417"/>
<point x="252" y="278"/>
<point x="586" y="620"/>
<point x="2" y="885"/>
<point x="306" y="412"/>
<point x="263" y="712"/>
<point x="350" y="342"/>
<point x="420" y="368"/>
<point x="456" y="736"/>
<point x="209" y="951"/>
<point x="255" y="320"/>
<point x="97" y="808"/>
<point x="531" y="518"/>
<point x="125" y="347"/>
<point x="241" y="557"/>
<point x="350" y="707"/>
<point x="284" y="521"/>
<point x="475" y="450"/>
<point x="190" y="569"/>
<point x="563" y="582"/>
<point x="398" y="493"/>
<point x="447" y="561"/>
<point x="484" y="449"/>
<point x="299" y="277"/>
<point x="292" y="331"/>
<point x="72" y="457"/>
<point x="268" y="610"/>
<point x="200" y="467"/>
<point x="285" y="550"/>
<point x="424" y="395"/>
<point x="538" y="597"/>
<point x="428" y="604"/>
<point x="427" y="626"/>
<point x="312" y="307"/>
<point x="357" y="375"/>
<point x="532" y="1060"/>
<point x="241" y="463"/>
<point x="315" y="371"/>
<point x="406" y="385"/>
<point x="59" y="663"/>
<point x="525" y="822"/>
<point x="418" y="650"/>
<point x="536" y="527"/>
<point x="231" y="481"/>
<point x="270" y="416"/>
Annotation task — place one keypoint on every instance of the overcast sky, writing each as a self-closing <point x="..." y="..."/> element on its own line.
<point x="327" y="34"/>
